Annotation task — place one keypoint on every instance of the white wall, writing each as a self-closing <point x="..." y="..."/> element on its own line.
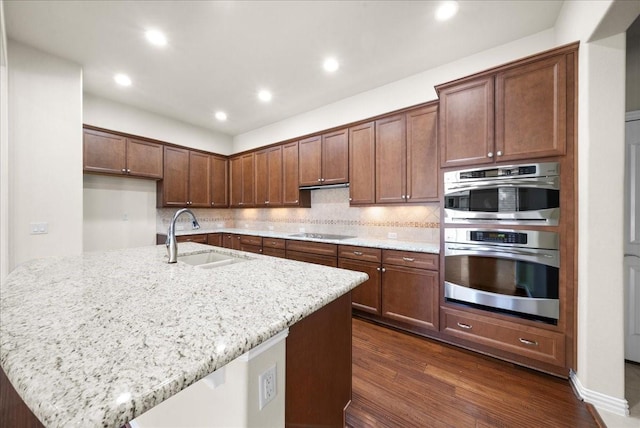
<point x="45" y="144"/>
<point x="115" y="116"/>
<point x="4" y="152"/>
<point x="413" y="90"/>
<point x="119" y="212"/>
<point x="601" y="110"/>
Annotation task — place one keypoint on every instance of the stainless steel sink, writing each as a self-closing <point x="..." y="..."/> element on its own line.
<point x="210" y="260"/>
<point x="321" y="236"/>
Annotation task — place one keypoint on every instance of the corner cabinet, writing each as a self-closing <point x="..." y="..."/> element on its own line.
<point x="516" y="112"/>
<point x="242" y="170"/>
<point x="186" y="180"/>
<point x="113" y="154"/>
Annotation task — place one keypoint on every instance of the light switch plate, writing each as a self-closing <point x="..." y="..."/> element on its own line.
<point x="38" y="228"/>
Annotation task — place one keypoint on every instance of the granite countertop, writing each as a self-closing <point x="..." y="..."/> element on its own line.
<point x="386" y="244"/>
<point x="98" y="339"/>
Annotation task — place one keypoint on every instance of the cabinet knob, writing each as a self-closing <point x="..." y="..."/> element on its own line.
<point x="240" y="203"/>
<point x="319" y="180"/>
<point x="213" y="203"/>
<point x="499" y="153"/>
<point x="384" y="269"/>
<point x="128" y="170"/>
<point x="323" y="180"/>
<point x="350" y="199"/>
<point x="124" y="170"/>
<point x="402" y="197"/>
<point x="378" y="269"/>
<point x="296" y="201"/>
<point x="266" y="202"/>
<point x="490" y="154"/>
<point x="408" y="196"/>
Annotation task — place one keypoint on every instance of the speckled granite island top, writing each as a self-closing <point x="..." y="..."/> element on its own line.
<point x="98" y="339"/>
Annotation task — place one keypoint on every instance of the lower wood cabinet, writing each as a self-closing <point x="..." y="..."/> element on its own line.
<point x="531" y="342"/>
<point x="312" y="252"/>
<point x="366" y="296"/>
<point x="200" y="239"/>
<point x="274" y="247"/>
<point x="317" y="259"/>
<point x="231" y="241"/>
<point x="215" y="239"/>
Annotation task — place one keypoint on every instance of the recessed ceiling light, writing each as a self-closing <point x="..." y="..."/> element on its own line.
<point x="331" y="65"/>
<point x="155" y="37"/>
<point x="446" y="10"/>
<point x="221" y="116"/>
<point x="265" y="95"/>
<point x="122" y="79"/>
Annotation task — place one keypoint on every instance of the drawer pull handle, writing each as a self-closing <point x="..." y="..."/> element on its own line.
<point x="528" y="342"/>
<point x="466" y="326"/>
<point x="408" y="259"/>
<point x="357" y="253"/>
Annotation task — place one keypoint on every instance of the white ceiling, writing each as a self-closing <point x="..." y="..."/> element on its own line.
<point x="220" y="53"/>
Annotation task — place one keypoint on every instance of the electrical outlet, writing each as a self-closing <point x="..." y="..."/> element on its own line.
<point x="38" y="228"/>
<point x="392" y="235"/>
<point x="268" y="386"/>
<point x="301" y="229"/>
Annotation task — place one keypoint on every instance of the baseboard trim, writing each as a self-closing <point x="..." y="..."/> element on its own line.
<point x="599" y="400"/>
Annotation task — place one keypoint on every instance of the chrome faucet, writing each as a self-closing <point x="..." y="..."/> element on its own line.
<point x="172" y="244"/>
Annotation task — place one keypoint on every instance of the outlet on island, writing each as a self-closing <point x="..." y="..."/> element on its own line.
<point x="268" y="386"/>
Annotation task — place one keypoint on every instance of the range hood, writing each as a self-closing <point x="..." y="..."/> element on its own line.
<point x="325" y="186"/>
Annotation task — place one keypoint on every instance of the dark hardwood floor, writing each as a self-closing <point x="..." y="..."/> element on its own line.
<point x="400" y="380"/>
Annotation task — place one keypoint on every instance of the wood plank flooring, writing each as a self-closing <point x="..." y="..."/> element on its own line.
<point x="400" y="380"/>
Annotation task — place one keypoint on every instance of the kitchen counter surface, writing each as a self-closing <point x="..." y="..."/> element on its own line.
<point x="98" y="339"/>
<point x="387" y="244"/>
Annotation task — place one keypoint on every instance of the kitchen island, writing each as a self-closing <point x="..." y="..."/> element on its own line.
<point x="100" y="338"/>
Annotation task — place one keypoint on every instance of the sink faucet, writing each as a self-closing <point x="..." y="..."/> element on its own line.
<point x="172" y="244"/>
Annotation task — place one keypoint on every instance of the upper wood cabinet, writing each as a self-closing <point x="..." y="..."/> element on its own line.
<point x="107" y="153"/>
<point x="187" y="181"/>
<point x="324" y="159"/>
<point x="268" y="176"/>
<point x="242" y="170"/>
<point x="406" y="148"/>
<point x="518" y="112"/>
<point x="362" y="164"/>
<point x="219" y="181"/>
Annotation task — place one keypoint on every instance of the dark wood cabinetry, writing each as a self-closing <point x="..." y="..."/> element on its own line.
<point x="269" y="178"/>
<point x="199" y="238"/>
<point x="362" y="164"/>
<point x="274" y="247"/>
<point x="106" y="153"/>
<point x="406" y="157"/>
<point x="324" y="159"/>
<point x="312" y="252"/>
<point x="187" y="181"/>
<point x="219" y="181"/>
<point x="366" y="297"/>
<point x="215" y="239"/>
<point x="242" y="170"/>
<point x="518" y="111"/>
<point x="230" y="240"/>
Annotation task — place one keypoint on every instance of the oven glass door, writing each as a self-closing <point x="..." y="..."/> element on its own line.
<point x="503" y="199"/>
<point x="513" y="279"/>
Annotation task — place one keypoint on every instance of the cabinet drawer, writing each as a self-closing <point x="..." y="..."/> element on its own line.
<point x="312" y="258"/>
<point x="273" y="243"/>
<point x="313" y="247"/>
<point x="273" y="252"/>
<point x="531" y="342"/>
<point x="201" y="239"/>
<point x="251" y="248"/>
<point x="250" y="240"/>
<point x="360" y="253"/>
<point x="410" y="259"/>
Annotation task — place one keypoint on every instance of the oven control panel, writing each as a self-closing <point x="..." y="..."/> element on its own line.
<point x="498" y="237"/>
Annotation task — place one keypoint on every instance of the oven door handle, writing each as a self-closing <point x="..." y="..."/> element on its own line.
<point x="536" y="183"/>
<point x="546" y="258"/>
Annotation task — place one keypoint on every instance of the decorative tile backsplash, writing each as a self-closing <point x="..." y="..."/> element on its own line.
<point x="329" y="213"/>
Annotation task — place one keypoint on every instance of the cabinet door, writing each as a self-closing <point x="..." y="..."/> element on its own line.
<point x="274" y="156"/>
<point x="219" y="184"/>
<point x="248" y="188"/>
<point x="362" y="164"/>
<point x="290" y="173"/>
<point x="310" y="161"/>
<point x="366" y="296"/>
<point x="144" y="159"/>
<point x="422" y="155"/>
<point x="466" y="123"/>
<point x="410" y="296"/>
<point x="262" y="178"/>
<point x="199" y="180"/>
<point x="531" y="112"/>
<point x="335" y="157"/>
<point x="235" y="173"/>
<point x="215" y="239"/>
<point x="103" y="152"/>
<point x="391" y="160"/>
<point x="175" y="184"/>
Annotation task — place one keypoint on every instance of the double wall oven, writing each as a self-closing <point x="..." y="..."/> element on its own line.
<point x="493" y="265"/>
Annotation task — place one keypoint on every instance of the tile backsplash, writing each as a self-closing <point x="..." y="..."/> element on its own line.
<point x="329" y="213"/>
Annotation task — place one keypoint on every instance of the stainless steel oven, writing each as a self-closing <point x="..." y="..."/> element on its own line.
<point x="513" y="194"/>
<point x="511" y="271"/>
